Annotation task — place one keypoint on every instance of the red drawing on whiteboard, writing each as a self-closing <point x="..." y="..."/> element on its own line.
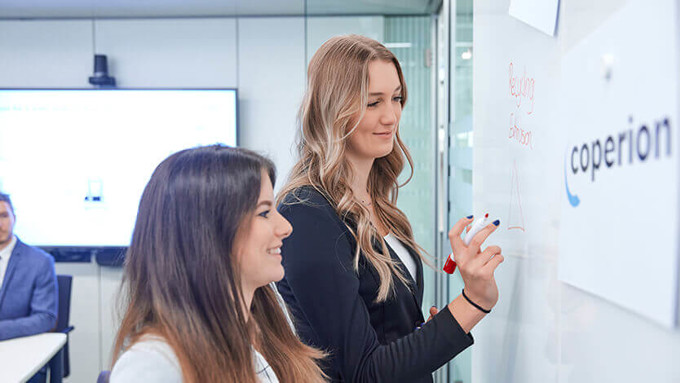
<point x="516" y="133"/>
<point x="522" y="88"/>
<point x="516" y="215"/>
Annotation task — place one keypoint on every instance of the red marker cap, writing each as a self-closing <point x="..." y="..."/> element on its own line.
<point x="450" y="265"/>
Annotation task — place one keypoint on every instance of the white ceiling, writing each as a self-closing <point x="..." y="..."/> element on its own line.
<point x="21" y="9"/>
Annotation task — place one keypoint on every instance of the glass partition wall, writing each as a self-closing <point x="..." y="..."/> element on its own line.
<point x="460" y="149"/>
<point x="410" y="38"/>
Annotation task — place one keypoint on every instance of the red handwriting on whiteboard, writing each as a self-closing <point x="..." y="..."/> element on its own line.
<point x="516" y="133"/>
<point x="522" y="88"/>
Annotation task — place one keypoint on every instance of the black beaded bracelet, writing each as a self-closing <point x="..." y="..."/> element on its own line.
<point x="474" y="304"/>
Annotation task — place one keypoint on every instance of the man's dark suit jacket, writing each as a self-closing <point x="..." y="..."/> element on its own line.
<point x="28" y="297"/>
<point x="335" y="309"/>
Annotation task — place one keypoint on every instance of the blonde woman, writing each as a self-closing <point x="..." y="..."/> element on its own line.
<point x="205" y="248"/>
<point x="354" y="279"/>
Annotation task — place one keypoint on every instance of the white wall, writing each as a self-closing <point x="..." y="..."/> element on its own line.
<point x="271" y="76"/>
<point x="320" y="29"/>
<point x="45" y="54"/>
<point x="170" y="53"/>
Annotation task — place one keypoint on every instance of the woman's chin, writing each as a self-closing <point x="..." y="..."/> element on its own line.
<point x="277" y="275"/>
<point x="384" y="153"/>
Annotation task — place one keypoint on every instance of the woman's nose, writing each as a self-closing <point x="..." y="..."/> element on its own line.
<point x="284" y="227"/>
<point x="389" y="115"/>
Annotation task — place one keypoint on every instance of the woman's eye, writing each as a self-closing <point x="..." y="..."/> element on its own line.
<point x="372" y="104"/>
<point x="264" y="214"/>
<point x="398" y="99"/>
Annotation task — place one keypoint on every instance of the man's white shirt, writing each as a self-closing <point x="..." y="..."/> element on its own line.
<point x="4" y="258"/>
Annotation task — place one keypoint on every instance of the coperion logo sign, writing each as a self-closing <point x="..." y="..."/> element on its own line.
<point x="633" y="146"/>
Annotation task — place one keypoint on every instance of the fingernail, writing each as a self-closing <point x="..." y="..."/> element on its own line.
<point x="497" y="222"/>
<point x="469" y="216"/>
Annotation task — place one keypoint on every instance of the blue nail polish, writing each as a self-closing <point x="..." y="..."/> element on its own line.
<point x="469" y="216"/>
<point x="497" y="222"/>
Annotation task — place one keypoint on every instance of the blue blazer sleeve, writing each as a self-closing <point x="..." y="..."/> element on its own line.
<point x="43" y="306"/>
<point x="322" y="290"/>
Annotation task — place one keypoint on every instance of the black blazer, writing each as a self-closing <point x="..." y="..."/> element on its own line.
<point x="334" y="307"/>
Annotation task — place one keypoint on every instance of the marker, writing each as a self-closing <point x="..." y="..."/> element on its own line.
<point x="479" y="224"/>
<point x="450" y="265"/>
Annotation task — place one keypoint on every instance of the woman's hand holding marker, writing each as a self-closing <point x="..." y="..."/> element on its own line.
<point x="450" y="265"/>
<point x="476" y="266"/>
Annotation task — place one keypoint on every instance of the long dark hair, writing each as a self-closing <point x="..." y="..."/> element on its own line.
<point x="181" y="280"/>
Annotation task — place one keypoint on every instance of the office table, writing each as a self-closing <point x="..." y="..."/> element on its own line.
<point x="21" y="358"/>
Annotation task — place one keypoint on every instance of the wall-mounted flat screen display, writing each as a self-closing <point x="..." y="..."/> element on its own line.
<point x="75" y="162"/>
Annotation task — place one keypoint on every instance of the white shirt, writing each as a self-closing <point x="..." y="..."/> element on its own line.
<point x="4" y="258"/>
<point x="152" y="360"/>
<point x="403" y="254"/>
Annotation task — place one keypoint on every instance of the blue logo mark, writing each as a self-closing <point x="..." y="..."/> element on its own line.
<point x="573" y="198"/>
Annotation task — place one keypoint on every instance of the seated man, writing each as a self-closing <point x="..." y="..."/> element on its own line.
<point x="28" y="282"/>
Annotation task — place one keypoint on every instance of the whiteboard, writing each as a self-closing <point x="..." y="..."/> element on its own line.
<point x="544" y="329"/>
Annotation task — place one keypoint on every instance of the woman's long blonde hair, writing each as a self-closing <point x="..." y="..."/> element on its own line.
<point x="181" y="279"/>
<point x="337" y="92"/>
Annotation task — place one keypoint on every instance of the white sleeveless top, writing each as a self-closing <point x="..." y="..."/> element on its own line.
<point x="152" y="360"/>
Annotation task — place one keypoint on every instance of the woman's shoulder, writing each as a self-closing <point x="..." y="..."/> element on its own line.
<point x="308" y="208"/>
<point x="149" y="360"/>
<point x="305" y="197"/>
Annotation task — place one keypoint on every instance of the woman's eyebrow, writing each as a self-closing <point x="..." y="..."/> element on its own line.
<point x="380" y="93"/>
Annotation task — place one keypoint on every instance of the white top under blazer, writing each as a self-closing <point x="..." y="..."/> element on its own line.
<point x="402" y="253"/>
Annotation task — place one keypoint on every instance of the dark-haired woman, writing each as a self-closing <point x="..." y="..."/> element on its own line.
<point x="354" y="278"/>
<point x="205" y="248"/>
